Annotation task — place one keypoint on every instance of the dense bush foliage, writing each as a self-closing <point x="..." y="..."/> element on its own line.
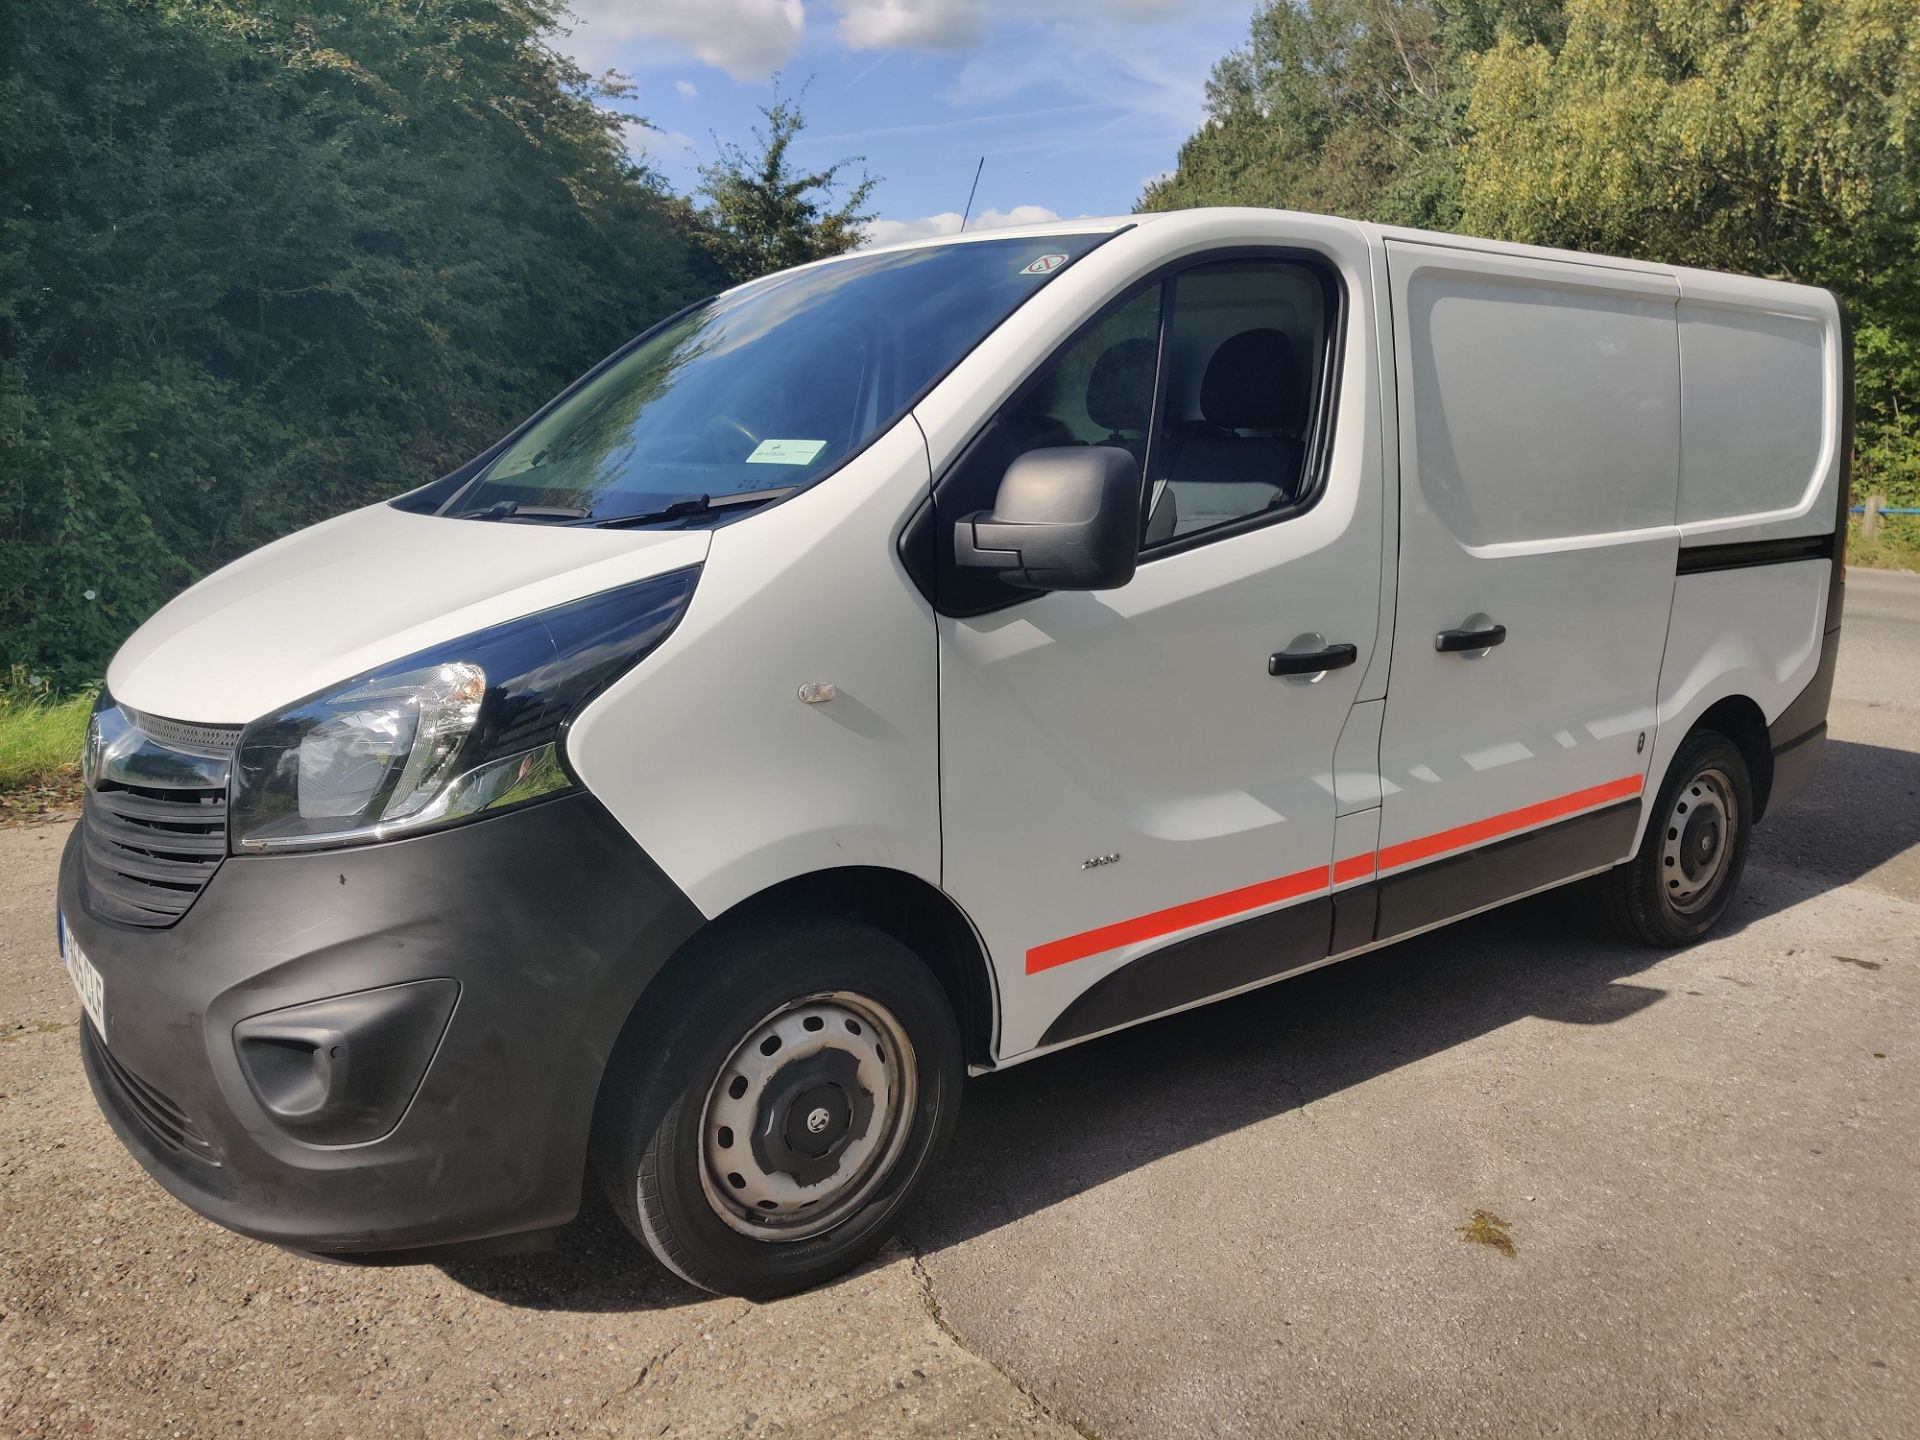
<point x="1750" y="135"/>
<point x="265" y="260"/>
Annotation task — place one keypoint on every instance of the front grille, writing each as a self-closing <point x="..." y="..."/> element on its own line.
<point x="218" y="740"/>
<point x="165" y="1121"/>
<point x="149" y="851"/>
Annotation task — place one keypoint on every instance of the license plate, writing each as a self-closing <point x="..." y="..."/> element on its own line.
<point x="87" y="983"/>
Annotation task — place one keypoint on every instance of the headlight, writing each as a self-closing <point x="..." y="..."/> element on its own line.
<point x="466" y="728"/>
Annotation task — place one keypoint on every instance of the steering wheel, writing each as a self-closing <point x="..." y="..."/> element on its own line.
<point x="721" y="432"/>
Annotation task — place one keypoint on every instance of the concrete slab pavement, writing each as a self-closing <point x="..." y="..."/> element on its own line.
<point x="1513" y="1178"/>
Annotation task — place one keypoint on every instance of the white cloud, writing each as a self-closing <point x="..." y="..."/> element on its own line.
<point x="686" y="88"/>
<point x="911" y="24"/>
<point x="893" y="232"/>
<point x="646" y="143"/>
<point x="749" y="39"/>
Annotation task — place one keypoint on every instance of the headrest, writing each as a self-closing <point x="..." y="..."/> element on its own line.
<point x="1120" y="387"/>
<point x="1251" y="384"/>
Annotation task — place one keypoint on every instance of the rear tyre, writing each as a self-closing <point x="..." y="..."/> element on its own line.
<point x="1680" y="883"/>
<point x="789" y="1115"/>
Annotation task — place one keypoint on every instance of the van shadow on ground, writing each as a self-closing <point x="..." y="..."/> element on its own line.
<point x="1044" y="1132"/>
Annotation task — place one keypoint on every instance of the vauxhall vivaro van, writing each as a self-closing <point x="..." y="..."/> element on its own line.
<point x="927" y="659"/>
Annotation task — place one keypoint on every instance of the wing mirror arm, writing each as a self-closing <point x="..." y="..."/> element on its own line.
<point x="979" y="544"/>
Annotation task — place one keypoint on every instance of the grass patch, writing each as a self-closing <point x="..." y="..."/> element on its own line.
<point x="40" y="744"/>
<point x="1896" y="547"/>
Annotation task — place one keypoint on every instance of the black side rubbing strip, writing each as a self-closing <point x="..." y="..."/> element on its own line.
<point x="1192" y="969"/>
<point x="1355" y="914"/>
<point x="1414" y="899"/>
<point x="1698" y="559"/>
<point x="1268" y="946"/>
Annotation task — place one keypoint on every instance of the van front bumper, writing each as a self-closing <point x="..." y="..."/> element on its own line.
<point x="424" y="1025"/>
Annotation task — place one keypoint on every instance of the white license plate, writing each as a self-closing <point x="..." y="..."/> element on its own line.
<point x="87" y="983"/>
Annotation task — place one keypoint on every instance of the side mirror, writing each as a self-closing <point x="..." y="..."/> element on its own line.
<point x="1063" y="519"/>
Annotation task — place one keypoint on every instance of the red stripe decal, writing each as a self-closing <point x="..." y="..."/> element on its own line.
<point x="1305" y="882"/>
<point x="1354" y="867"/>
<point x="1177" y="917"/>
<point x="1427" y="846"/>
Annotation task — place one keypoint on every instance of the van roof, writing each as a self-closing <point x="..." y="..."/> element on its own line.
<point x="1080" y="225"/>
<point x="1107" y="224"/>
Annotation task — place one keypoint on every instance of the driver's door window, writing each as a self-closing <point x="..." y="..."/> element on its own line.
<point x="1097" y="390"/>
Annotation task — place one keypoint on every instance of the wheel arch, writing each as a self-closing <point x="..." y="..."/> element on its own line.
<point x="1740" y="719"/>
<point x="903" y="906"/>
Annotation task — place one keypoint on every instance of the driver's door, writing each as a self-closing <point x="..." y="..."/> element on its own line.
<point x="1137" y="812"/>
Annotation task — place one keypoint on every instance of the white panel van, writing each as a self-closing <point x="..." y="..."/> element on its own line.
<point x="925" y="660"/>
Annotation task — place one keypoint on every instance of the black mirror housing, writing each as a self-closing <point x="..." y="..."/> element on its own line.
<point x="1066" y="518"/>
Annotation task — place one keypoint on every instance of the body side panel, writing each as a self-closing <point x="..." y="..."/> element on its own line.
<point x="1755" y="632"/>
<point x="707" y="755"/>
<point x="1763" y="406"/>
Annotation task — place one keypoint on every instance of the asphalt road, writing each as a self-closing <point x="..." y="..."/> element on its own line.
<point x="1514" y="1178"/>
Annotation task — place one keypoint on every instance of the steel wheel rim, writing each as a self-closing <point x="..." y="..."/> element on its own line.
<point x="1696" y="846"/>
<point x="759" y="1095"/>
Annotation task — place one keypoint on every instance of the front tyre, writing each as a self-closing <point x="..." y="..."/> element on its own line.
<point x="795" y="1106"/>
<point x="1680" y="883"/>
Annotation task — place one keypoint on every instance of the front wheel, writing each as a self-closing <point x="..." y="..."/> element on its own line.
<point x="795" y="1106"/>
<point x="1680" y="883"/>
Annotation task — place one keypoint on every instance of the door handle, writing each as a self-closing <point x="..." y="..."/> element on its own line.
<point x="1310" y="662"/>
<point x="1482" y="637"/>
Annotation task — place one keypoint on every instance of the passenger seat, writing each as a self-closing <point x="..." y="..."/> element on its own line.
<point x="1218" y="473"/>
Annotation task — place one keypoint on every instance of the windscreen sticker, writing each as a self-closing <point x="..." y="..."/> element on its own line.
<point x="1045" y="265"/>
<point x="785" y="452"/>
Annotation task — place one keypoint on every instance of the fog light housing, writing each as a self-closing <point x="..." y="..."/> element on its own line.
<point x="342" y="1071"/>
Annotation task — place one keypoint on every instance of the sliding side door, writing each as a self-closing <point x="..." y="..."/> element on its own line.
<point x="1539" y="460"/>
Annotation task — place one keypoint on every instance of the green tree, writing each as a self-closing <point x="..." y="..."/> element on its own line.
<point x="261" y="261"/>
<point x="764" y="214"/>
<point x="1769" y="138"/>
<point x="1350" y="107"/>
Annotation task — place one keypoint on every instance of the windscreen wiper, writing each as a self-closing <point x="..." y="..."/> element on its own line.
<point x="514" y="510"/>
<point x="694" y="505"/>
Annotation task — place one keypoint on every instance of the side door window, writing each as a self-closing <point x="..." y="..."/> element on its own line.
<point x="1246" y="353"/>
<point x="1097" y="390"/>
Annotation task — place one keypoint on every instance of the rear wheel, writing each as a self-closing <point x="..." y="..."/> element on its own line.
<point x="791" y="1113"/>
<point x="1689" y="863"/>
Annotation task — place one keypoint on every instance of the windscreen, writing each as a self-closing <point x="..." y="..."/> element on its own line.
<point x="769" y="386"/>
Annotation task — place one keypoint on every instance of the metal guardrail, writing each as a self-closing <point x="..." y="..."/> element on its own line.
<point x="1874" y="510"/>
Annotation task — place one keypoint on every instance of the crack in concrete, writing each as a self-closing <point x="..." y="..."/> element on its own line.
<point x="932" y="1302"/>
<point x="652" y="1366"/>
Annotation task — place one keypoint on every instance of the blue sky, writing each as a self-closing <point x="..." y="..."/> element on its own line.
<point x="1075" y="103"/>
